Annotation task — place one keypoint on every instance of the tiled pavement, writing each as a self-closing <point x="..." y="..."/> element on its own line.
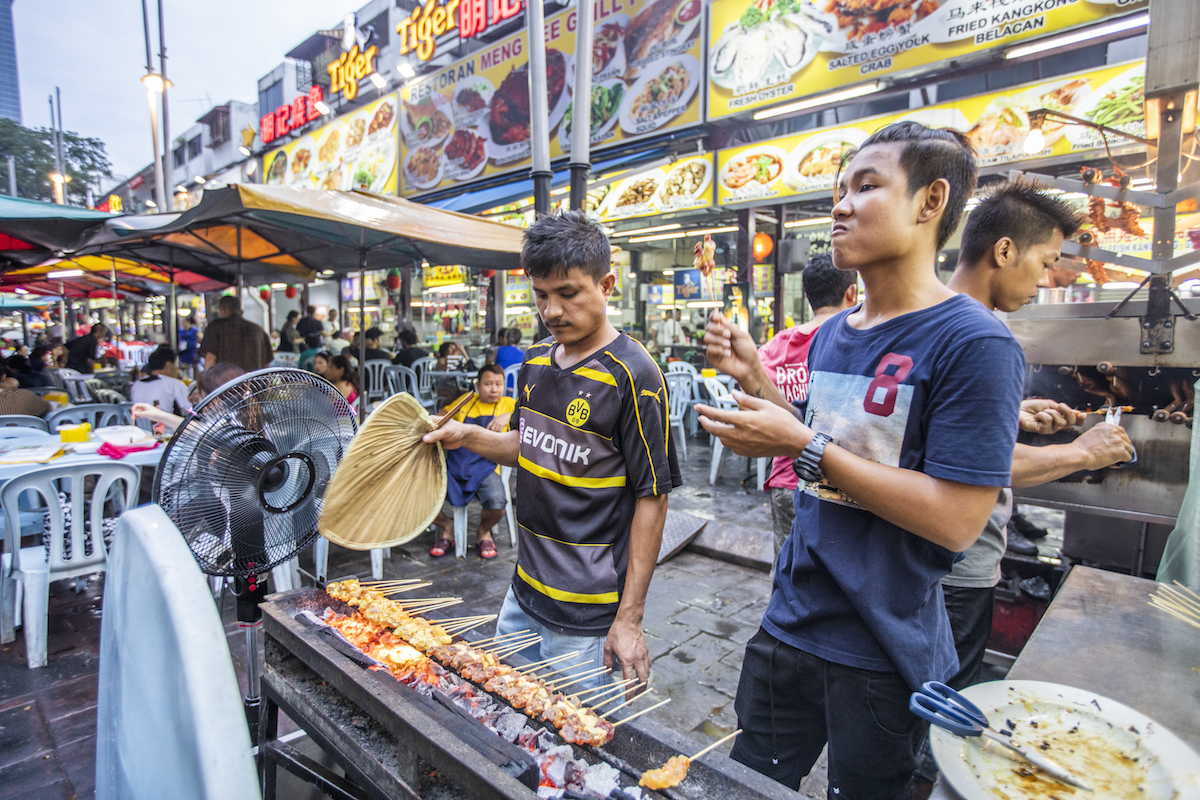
<point x="700" y="614"/>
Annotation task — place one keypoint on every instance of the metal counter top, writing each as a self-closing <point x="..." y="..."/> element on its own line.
<point x="1100" y="634"/>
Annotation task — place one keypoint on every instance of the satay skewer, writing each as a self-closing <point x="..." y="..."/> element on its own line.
<point x="529" y="669"/>
<point x="638" y="714"/>
<point x="392" y="590"/>
<point x="716" y="744"/>
<point x="498" y="638"/>
<point x="617" y="691"/>
<point x="558" y="686"/>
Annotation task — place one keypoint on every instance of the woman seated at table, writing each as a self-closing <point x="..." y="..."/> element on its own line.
<point x="209" y="381"/>
<point x="312" y="346"/>
<point x="340" y="372"/>
<point x="15" y="400"/>
<point x="469" y="474"/>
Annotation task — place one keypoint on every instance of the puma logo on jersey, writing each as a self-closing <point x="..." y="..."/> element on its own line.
<point x="528" y="388"/>
<point x="648" y="393"/>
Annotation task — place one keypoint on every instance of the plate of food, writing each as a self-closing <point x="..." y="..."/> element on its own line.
<point x="684" y="183"/>
<point x="422" y="168"/>
<point x="303" y="156"/>
<point x="382" y="120"/>
<point x="857" y="19"/>
<point x="1118" y="751"/>
<point x="426" y="123"/>
<point x="661" y="94"/>
<point x="1119" y="103"/>
<point x="356" y="130"/>
<point x="329" y="147"/>
<point x="635" y="194"/>
<point x="606" y="103"/>
<point x="471" y="98"/>
<point x="335" y="178"/>
<point x="374" y="166"/>
<point x="753" y="170"/>
<point x="508" y="118"/>
<point x="277" y="170"/>
<point x="1004" y="123"/>
<point x="770" y="42"/>
<point x="465" y="154"/>
<point x="813" y="164"/>
<point x="662" y="29"/>
<point x="608" y="47"/>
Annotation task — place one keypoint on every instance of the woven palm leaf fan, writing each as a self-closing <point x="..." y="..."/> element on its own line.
<point x="390" y="485"/>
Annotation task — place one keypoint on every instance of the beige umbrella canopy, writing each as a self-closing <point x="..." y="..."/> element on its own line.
<point x="390" y="485"/>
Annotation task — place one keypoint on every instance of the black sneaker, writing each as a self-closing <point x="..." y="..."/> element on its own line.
<point x="1019" y="544"/>
<point x="1025" y="527"/>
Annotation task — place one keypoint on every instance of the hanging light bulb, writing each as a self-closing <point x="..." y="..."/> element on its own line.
<point x="1036" y="140"/>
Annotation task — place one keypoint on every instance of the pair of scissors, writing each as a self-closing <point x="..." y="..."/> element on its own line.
<point x="939" y="704"/>
<point x="1112" y="415"/>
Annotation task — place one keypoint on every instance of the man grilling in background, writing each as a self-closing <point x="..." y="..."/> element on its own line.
<point x="590" y="437"/>
<point x="1011" y="241"/>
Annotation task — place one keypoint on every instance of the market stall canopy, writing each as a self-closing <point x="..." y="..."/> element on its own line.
<point x="98" y="273"/>
<point x="281" y="232"/>
<point x="31" y="230"/>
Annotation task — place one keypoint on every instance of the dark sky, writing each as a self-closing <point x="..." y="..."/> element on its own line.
<point x="95" y="51"/>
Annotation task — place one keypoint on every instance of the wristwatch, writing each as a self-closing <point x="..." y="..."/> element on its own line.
<point x="808" y="466"/>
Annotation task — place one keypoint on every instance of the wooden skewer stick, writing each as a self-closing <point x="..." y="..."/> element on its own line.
<point x="638" y="714"/>
<point x="515" y="648"/>
<point x="460" y="629"/>
<point x="564" y="669"/>
<point x="617" y="708"/>
<point x="1177" y="603"/>
<point x="585" y="665"/>
<point x="617" y="691"/>
<point x="558" y="686"/>
<point x="1178" y="615"/>
<point x="425" y="609"/>
<point x="1175" y="608"/>
<point x="1186" y="590"/>
<point x="402" y="589"/>
<point x="716" y="744"/>
<point x="545" y="662"/>
<point x="467" y="619"/>
<point x="497" y="638"/>
<point x="449" y="415"/>
<point x="524" y="641"/>
<point x="420" y="601"/>
<point x="1181" y="598"/>
<point x="391" y="582"/>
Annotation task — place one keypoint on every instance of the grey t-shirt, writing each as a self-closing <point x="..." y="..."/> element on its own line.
<point x="980" y="565"/>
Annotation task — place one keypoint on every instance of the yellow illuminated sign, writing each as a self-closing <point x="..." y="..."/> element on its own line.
<point x="349" y="69"/>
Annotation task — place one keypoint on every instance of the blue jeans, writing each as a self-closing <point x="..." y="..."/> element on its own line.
<point x="590" y="649"/>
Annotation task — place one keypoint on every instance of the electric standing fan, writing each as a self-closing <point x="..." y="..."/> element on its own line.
<point x="244" y="479"/>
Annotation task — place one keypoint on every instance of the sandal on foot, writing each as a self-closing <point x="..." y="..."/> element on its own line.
<point x="487" y="549"/>
<point x="442" y="547"/>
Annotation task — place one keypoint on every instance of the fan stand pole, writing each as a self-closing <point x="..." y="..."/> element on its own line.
<point x="250" y="592"/>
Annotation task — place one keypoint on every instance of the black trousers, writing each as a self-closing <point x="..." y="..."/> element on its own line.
<point x="790" y="703"/>
<point x="970" y="612"/>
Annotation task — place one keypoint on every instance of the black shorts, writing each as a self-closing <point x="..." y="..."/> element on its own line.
<point x="790" y="703"/>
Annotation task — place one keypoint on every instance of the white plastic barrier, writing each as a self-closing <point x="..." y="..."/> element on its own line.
<point x="171" y="721"/>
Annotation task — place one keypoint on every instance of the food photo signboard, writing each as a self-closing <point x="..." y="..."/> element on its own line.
<point x="471" y="119"/>
<point x="763" y="53"/>
<point x="355" y="151"/>
<point x="807" y="163"/>
<point x="683" y="185"/>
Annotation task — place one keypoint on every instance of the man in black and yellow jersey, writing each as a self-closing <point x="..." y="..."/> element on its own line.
<point x="591" y="439"/>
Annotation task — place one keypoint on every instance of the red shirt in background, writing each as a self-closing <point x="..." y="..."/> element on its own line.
<point x="786" y="360"/>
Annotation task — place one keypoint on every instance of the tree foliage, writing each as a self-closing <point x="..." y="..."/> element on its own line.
<point x="33" y="148"/>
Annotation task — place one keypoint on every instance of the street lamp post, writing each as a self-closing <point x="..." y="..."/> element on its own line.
<point x="155" y="85"/>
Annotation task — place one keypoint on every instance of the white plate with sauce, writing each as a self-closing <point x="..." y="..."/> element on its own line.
<point x="1118" y="752"/>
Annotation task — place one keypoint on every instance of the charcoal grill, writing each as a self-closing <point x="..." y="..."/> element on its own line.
<point x="378" y="728"/>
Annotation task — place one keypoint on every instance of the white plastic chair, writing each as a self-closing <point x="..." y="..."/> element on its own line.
<point x="426" y="395"/>
<point x="75" y="383"/>
<point x="97" y="414"/>
<point x="719" y="397"/>
<point x="681" y="366"/>
<point x="162" y="647"/>
<point x="399" y="378"/>
<point x="373" y="377"/>
<point x="679" y="396"/>
<point x="22" y="422"/>
<point x="510" y="379"/>
<point x="31" y="567"/>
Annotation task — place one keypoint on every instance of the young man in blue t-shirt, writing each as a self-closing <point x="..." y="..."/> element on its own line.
<point x="907" y="436"/>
